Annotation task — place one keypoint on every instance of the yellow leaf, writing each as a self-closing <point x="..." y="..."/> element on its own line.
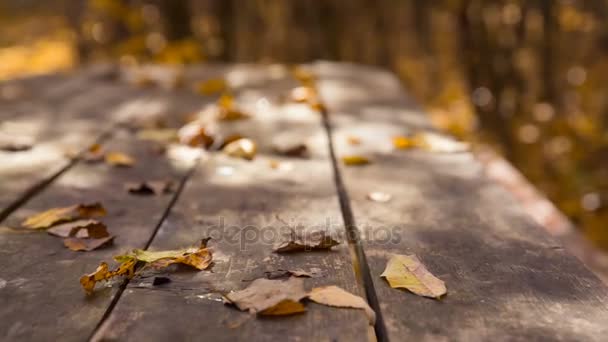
<point x="195" y="134"/>
<point x="355" y="160"/>
<point x="241" y="148"/>
<point x="403" y="143"/>
<point x="88" y="281"/>
<point x="231" y="115"/>
<point x="212" y="86"/>
<point x="439" y="143"/>
<point x="226" y="101"/>
<point x="406" y="271"/>
<point x="197" y="257"/>
<point x="119" y="159"/>
<point x="54" y="216"/>
<point x="338" y="297"/>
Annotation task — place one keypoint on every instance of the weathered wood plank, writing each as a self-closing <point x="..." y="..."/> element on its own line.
<point x="242" y="206"/>
<point x="58" y="115"/>
<point x="506" y="278"/>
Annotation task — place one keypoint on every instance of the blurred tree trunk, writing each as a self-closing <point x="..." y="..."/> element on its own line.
<point x="177" y="20"/>
<point x="548" y="53"/>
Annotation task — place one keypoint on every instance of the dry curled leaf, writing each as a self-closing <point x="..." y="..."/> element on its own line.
<point x="86" y="244"/>
<point x="241" y="148"/>
<point x="55" y="216"/>
<point x="80" y="229"/>
<point x="406" y="271"/>
<point x="197" y="257"/>
<point x="88" y="281"/>
<point x="149" y="187"/>
<point x="270" y="297"/>
<point x="119" y="159"/>
<point x="338" y="297"/>
<point x="355" y="160"/>
<point x="317" y="240"/>
<point x="194" y="134"/>
<point x="378" y="196"/>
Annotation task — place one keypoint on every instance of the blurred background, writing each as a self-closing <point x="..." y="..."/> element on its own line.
<point x="526" y="77"/>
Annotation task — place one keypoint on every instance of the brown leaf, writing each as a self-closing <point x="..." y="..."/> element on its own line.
<point x="81" y="229"/>
<point x="278" y="274"/>
<point x="149" y="187"/>
<point x="270" y="297"/>
<point x="119" y="159"/>
<point x="241" y="148"/>
<point x="54" y="216"/>
<point x="317" y="240"/>
<point x="194" y="134"/>
<point x="86" y="244"/>
<point x="355" y="160"/>
<point x="229" y="114"/>
<point x="406" y="271"/>
<point x="297" y="150"/>
<point x="338" y="297"/>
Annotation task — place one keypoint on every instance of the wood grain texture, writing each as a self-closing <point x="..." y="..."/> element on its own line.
<point x="506" y="278"/>
<point x="41" y="297"/>
<point x="244" y="206"/>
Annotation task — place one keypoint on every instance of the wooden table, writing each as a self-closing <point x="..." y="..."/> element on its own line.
<point x="506" y="278"/>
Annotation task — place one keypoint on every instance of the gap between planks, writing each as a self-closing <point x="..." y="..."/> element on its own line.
<point x="44" y="183"/>
<point x="125" y="282"/>
<point x="359" y="260"/>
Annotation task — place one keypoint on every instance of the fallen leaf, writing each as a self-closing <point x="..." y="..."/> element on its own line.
<point x="297" y="150"/>
<point x="304" y="76"/>
<point x="278" y="274"/>
<point x="338" y="297"/>
<point x="378" y="196"/>
<point x="439" y="143"/>
<point x="162" y="135"/>
<point x="302" y="94"/>
<point x="149" y="187"/>
<point x="406" y="271"/>
<point x="224" y="114"/>
<point x="353" y="140"/>
<point x="197" y="257"/>
<point x="54" y="216"/>
<point x="241" y="148"/>
<point x="81" y="229"/>
<point x="212" y="86"/>
<point x="86" y="244"/>
<point x="94" y="153"/>
<point x="270" y="297"/>
<point x="119" y="159"/>
<point x="227" y="140"/>
<point x="194" y="134"/>
<point x="88" y="281"/>
<point x="355" y="160"/>
<point x="402" y="143"/>
<point x="317" y="240"/>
